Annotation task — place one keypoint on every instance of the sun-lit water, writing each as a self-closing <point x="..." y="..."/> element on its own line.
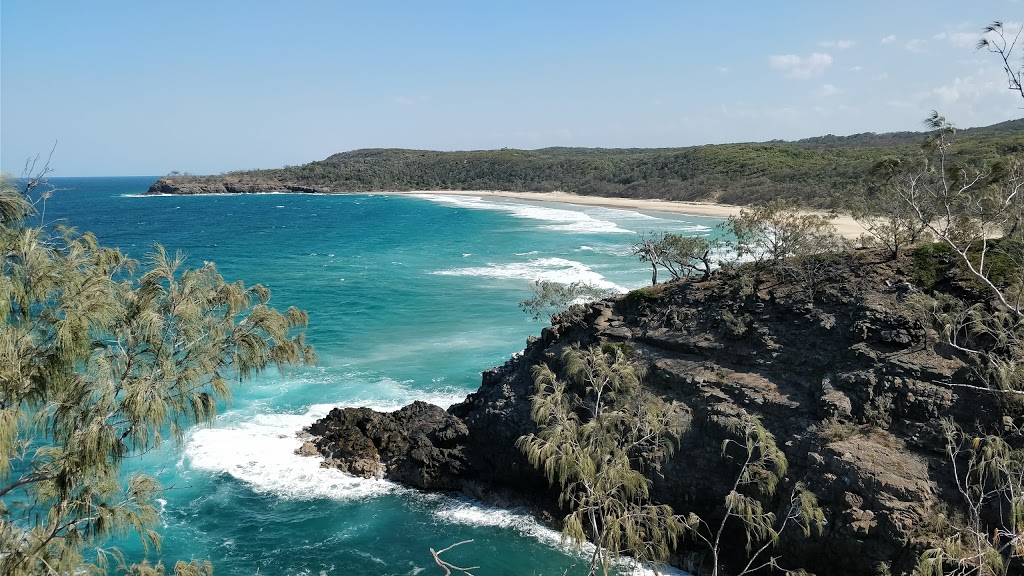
<point x="409" y="298"/>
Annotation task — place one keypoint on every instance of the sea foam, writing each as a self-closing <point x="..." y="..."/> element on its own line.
<point x="559" y="219"/>
<point x="260" y="451"/>
<point x="550" y="269"/>
<point x="474" y="514"/>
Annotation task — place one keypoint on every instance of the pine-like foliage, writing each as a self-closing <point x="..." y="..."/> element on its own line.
<point x="549" y="299"/>
<point x="598" y="430"/>
<point x="98" y="364"/>
<point x="988" y="538"/>
<point x="762" y="467"/>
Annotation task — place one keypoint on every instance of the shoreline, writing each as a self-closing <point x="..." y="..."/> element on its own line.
<point x="845" y="226"/>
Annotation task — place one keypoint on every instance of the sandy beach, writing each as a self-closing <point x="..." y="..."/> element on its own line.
<point x="845" y="225"/>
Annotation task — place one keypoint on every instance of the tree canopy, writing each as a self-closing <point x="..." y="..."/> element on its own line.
<point x="101" y="361"/>
<point x="824" y="171"/>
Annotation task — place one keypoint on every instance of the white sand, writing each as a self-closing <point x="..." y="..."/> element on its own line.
<point x="845" y="226"/>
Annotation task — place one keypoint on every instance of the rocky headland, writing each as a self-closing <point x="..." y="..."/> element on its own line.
<point x="229" y="184"/>
<point x="845" y="373"/>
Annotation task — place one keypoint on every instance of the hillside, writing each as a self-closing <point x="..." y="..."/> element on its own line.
<point x="819" y="171"/>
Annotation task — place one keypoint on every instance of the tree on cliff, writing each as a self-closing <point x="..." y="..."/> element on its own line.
<point x="598" y="430"/>
<point x="976" y="212"/>
<point x="980" y="219"/>
<point x="771" y="232"/>
<point x="988" y="538"/>
<point x="885" y="213"/>
<point x="763" y="467"/>
<point x="98" y="365"/>
<point x="551" y="298"/>
<point x="680" y="256"/>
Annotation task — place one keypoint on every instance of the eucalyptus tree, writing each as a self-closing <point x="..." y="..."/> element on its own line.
<point x="681" y="256"/>
<point x="885" y="213"/>
<point x="979" y="211"/>
<point x="987" y="538"/>
<point x="771" y="232"/>
<point x="650" y="248"/>
<point x="101" y="362"/>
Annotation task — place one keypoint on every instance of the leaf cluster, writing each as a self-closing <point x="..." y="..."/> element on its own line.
<point x="762" y="467"/>
<point x="99" y="364"/>
<point x="989" y="538"/>
<point x="598" y="430"/>
<point x="549" y="298"/>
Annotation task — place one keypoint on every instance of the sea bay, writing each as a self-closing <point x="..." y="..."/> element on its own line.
<point x="410" y="298"/>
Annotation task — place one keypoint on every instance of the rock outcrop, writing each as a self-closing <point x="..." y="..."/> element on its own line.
<point x="191" y="185"/>
<point x="843" y="372"/>
<point x="420" y="445"/>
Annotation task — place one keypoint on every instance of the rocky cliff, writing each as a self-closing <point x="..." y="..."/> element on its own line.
<point x="842" y="371"/>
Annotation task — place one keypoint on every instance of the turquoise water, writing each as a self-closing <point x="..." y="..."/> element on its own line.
<point x="409" y="298"/>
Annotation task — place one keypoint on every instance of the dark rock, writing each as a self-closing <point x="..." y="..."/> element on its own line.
<point x="419" y="445"/>
<point x="229" y="184"/>
<point x="849" y="384"/>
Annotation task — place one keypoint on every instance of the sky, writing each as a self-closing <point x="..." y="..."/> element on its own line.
<point x="146" y="88"/>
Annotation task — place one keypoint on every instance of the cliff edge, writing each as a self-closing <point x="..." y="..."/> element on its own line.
<point x="843" y="371"/>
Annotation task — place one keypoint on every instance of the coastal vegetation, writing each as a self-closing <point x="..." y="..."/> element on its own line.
<point x="101" y="361"/>
<point x="825" y="172"/>
<point x="598" y="430"/>
<point x="681" y="256"/>
<point x="549" y="298"/>
<point x="973" y="211"/>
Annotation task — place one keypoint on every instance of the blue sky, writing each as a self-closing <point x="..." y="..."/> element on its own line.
<point x="144" y="88"/>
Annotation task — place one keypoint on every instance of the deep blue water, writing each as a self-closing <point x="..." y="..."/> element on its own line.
<point x="409" y="298"/>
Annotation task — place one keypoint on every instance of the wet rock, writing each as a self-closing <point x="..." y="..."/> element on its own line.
<point x="419" y="445"/>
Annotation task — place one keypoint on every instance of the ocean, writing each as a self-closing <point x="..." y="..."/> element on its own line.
<point x="409" y="298"/>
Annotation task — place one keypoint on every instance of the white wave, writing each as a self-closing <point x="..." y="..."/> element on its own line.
<point x="473" y="514"/>
<point x="550" y="269"/>
<point x="260" y="451"/>
<point x="561" y="219"/>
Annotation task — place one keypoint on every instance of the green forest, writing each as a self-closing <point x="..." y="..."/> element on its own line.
<point x="823" y="171"/>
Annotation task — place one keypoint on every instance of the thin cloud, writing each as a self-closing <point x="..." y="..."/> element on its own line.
<point x="958" y="39"/>
<point x="840" y="44"/>
<point x="802" y="66"/>
<point x="969" y="89"/>
<point x="889" y="39"/>
<point x="916" y="46"/>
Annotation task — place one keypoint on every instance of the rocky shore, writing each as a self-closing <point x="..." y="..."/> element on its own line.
<point x="192" y="185"/>
<point x="847" y="377"/>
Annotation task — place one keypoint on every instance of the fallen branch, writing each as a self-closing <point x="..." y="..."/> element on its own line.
<point x="448" y="566"/>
